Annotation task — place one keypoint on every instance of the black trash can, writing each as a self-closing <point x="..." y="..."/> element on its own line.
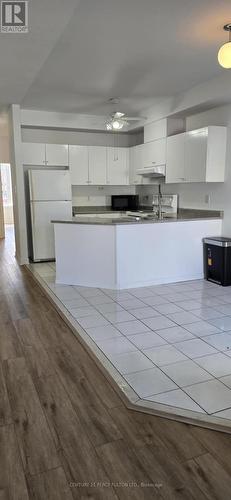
<point x="217" y="260"/>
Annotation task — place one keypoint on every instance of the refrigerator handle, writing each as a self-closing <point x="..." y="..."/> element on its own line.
<point x="33" y="227"/>
<point x="31" y="185"/>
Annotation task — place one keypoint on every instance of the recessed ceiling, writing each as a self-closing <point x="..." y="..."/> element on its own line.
<point x="141" y="51"/>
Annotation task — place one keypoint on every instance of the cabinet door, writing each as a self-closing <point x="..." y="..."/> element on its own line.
<point x="216" y="154"/>
<point x="97" y="165"/>
<point x="78" y="162"/>
<point x="135" y="162"/>
<point x="155" y="130"/>
<point x="57" y="155"/>
<point x="33" y="153"/>
<point x="117" y="166"/>
<point x="154" y="153"/>
<point x="196" y="155"/>
<point x="175" y="165"/>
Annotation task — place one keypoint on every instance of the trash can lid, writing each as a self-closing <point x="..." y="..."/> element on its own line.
<point x="219" y="241"/>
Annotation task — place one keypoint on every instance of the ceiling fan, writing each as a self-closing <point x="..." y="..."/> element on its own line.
<point x="117" y="120"/>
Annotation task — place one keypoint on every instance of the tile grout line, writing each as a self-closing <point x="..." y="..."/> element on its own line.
<point x="167" y="343"/>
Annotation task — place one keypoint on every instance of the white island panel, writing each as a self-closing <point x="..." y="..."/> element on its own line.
<point x="85" y="255"/>
<point x="119" y="256"/>
<point x="168" y="252"/>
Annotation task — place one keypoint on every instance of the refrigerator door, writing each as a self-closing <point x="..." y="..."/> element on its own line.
<point x="49" y="185"/>
<point x="43" y="230"/>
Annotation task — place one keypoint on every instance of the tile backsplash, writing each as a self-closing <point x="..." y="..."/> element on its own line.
<point x="97" y="195"/>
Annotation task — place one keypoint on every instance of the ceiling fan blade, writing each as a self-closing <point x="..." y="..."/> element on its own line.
<point x="135" y="118"/>
<point x="118" y="114"/>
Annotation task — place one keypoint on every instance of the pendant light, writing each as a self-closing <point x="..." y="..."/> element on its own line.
<point x="224" y="54"/>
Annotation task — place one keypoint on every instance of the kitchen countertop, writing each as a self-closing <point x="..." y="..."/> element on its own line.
<point x="181" y="216"/>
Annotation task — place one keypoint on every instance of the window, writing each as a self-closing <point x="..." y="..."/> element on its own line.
<point x="6" y="184"/>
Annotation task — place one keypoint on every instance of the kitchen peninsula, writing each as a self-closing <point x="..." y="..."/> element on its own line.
<point x="123" y="252"/>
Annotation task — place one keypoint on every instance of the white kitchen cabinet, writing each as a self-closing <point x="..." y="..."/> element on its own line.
<point x="45" y="154"/>
<point x="78" y="163"/>
<point x="197" y="156"/>
<point x="97" y="165"/>
<point x="57" y="155"/>
<point x="155" y="130"/>
<point x="117" y="166"/>
<point x="163" y="128"/>
<point x="135" y="162"/>
<point x="154" y="153"/>
<point x="175" y="161"/>
<point x="33" y="153"/>
<point x="205" y="154"/>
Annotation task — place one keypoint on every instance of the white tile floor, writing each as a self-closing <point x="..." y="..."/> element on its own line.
<point x="170" y="343"/>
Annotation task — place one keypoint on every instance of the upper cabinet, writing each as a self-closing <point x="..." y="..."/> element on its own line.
<point x="154" y="153"/>
<point x="135" y="162"/>
<point x="208" y="147"/>
<point x="97" y="165"/>
<point x="197" y="156"/>
<point x="33" y="153"/>
<point x="155" y="130"/>
<point x="45" y="154"/>
<point x="117" y="166"/>
<point x="163" y="128"/>
<point x="57" y="154"/>
<point x="78" y="164"/>
<point x="194" y="156"/>
<point x="175" y="161"/>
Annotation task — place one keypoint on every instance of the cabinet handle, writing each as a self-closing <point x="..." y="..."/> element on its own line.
<point x="153" y="162"/>
<point x="89" y="182"/>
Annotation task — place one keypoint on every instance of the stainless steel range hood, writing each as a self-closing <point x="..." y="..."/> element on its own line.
<point x="153" y="171"/>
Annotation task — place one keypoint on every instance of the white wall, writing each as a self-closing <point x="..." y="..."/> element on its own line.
<point x="18" y="184"/>
<point x="194" y="195"/>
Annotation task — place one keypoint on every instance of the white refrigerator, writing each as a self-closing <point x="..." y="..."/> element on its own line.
<point x="50" y="198"/>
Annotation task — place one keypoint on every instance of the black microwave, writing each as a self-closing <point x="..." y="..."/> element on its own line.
<point x="125" y="202"/>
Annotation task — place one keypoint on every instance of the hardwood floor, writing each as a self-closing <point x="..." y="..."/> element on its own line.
<point x="64" y="432"/>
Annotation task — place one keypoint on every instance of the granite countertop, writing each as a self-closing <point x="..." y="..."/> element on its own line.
<point x="181" y="216"/>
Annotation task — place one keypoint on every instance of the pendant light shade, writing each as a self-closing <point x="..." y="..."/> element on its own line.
<point x="224" y="54"/>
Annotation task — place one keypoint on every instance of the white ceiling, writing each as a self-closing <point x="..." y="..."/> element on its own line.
<point x="80" y="53"/>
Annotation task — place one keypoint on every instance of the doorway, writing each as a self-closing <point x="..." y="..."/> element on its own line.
<point x="6" y="204"/>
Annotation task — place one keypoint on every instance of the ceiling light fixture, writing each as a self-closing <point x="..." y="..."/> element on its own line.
<point x="224" y="54"/>
<point x="116" y="122"/>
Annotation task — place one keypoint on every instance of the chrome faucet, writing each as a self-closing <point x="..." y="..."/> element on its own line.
<point x="158" y="211"/>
